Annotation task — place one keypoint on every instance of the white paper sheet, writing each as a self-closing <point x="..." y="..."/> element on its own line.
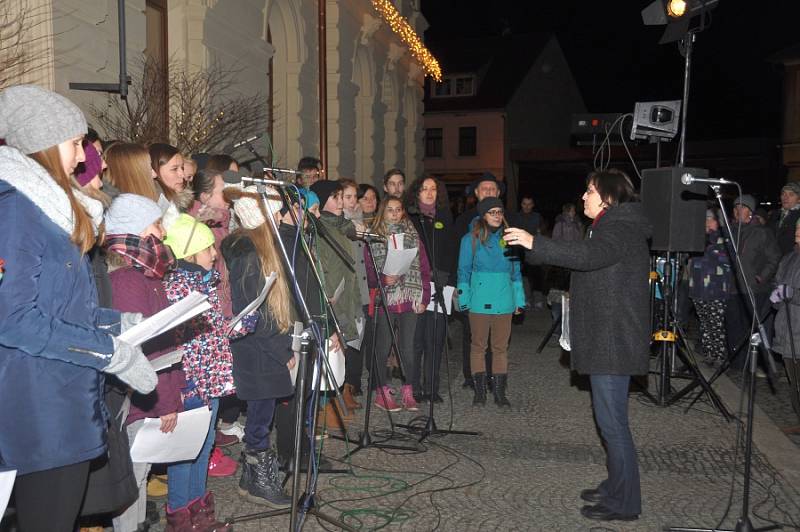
<point x="398" y="261"/>
<point x="254" y="304"/>
<point x="184" y="443"/>
<point x="166" y="361"/>
<point x="448" y="299"/>
<point x="6" y="485"/>
<point x="185" y="309"/>
<point x="336" y="363"/>
<point x="338" y="292"/>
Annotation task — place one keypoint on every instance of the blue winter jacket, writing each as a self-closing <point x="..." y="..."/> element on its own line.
<point x="54" y="340"/>
<point x="489" y="282"/>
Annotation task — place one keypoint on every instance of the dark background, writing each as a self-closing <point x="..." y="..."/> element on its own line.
<point x="735" y="91"/>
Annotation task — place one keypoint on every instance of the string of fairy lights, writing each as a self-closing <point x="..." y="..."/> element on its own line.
<point x="406" y="33"/>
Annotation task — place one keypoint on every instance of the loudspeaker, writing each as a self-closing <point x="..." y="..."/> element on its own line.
<point x="677" y="211"/>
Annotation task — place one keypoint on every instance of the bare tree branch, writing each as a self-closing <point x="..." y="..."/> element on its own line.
<point x="20" y="54"/>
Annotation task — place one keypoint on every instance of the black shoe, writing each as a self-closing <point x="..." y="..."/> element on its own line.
<point x="598" y="512"/>
<point x="500" y="384"/>
<point x="468" y="383"/>
<point x="420" y="397"/>
<point x="437" y="398"/>
<point x="490" y="382"/>
<point x="259" y="482"/>
<point x="480" y="389"/>
<point x="591" y="495"/>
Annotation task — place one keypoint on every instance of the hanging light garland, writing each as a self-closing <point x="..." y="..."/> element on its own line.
<point x="403" y="29"/>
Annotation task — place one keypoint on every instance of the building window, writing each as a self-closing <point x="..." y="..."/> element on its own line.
<point x="467" y="141"/>
<point x="456" y="85"/>
<point x="433" y="142"/>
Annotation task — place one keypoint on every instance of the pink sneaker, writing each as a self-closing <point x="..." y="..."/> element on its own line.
<point x="384" y="399"/>
<point x="409" y="403"/>
<point x="220" y="465"/>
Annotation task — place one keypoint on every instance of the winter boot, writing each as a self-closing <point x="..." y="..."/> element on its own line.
<point x="348" y="394"/>
<point x="260" y="482"/>
<point x="203" y="518"/>
<point x="479" y="379"/>
<point x="179" y="520"/>
<point x="500" y="383"/>
<point x="409" y="403"/>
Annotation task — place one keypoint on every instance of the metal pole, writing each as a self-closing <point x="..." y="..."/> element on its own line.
<point x="123" y="63"/>
<point x="688" y="42"/>
<point x="323" y="86"/>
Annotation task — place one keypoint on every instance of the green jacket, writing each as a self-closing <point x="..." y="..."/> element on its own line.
<point x="333" y="270"/>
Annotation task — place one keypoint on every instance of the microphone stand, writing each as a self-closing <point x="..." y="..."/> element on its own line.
<point x="757" y="340"/>
<point x="365" y="440"/>
<point x="306" y="500"/>
<point x="430" y="428"/>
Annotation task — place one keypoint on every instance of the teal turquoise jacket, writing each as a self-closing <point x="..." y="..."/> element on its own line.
<point x="489" y="282"/>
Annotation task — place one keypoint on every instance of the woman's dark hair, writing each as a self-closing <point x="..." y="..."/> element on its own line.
<point x="91" y="136"/>
<point x="411" y="196"/>
<point x="363" y="188"/>
<point x="204" y="182"/>
<point x="391" y="172"/>
<point x="219" y="163"/>
<point x="614" y="186"/>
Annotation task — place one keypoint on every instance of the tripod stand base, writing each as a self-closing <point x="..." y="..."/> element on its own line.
<point x="365" y="442"/>
<point x="743" y="525"/>
<point x="304" y="501"/>
<point x="430" y="430"/>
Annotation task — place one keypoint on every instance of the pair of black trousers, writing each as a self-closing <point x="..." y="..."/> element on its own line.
<point x="49" y="501"/>
<point x="428" y="351"/>
<point x="258" y="425"/>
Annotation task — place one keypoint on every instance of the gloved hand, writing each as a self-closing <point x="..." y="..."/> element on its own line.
<point x="128" y="320"/>
<point x="131" y="367"/>
<point x="782" y="292"/>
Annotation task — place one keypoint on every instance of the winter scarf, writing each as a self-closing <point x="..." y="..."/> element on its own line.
<point x="149" y="255"/>
<point x="35" y="183"/>
<point x="409" y="288"/>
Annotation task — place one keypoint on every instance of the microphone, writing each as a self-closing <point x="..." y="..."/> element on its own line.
<point x="688" y="179"/>
<point x="232" y="178"/>
<point x="263" y="181"/>
<point x="281" y="171"/>
<point x="353" y="234"/>
<point x="241" y="143"/>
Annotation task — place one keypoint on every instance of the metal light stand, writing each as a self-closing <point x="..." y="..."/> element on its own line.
<point x="757" y="340"/>
<point x="365" y="439"/>
<point x="308" y="497"/>
<point x="430" y="428"/>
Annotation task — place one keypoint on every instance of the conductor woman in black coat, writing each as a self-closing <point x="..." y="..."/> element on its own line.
<point x="609" y="324"/>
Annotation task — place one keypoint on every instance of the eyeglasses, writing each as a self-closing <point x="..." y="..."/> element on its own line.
<point x="495" y="212"/>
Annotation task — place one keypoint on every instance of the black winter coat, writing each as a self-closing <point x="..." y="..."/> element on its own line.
<point x="609" y="294"/>
<point x="440" y="242"/>
<point x="759" y="254"/>
<point x="784" y="232"/>
<point x="259" y="359"/>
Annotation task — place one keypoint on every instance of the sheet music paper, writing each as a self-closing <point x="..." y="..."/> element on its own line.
<point x="184" y="443"/>
<point x="167" y="360"/>
<point x="447" y="293"/>
<point x="254" y="304"/>
<point x="185" y="309"/>
<point x="338" y="292"/>
<point x="6" y="485"/>
<point x="398" y="260"/>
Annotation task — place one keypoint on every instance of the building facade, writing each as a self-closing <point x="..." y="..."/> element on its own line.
<point x="374" y="85"/>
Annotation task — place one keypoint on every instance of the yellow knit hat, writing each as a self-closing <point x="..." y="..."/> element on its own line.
<point x="188" y="236"/>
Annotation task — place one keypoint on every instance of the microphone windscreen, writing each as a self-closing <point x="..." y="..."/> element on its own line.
<point x="233" y="178"/>
<point x="351" y="233"/>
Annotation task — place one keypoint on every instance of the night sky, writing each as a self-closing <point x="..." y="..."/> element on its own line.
<point x="736" y="91"/>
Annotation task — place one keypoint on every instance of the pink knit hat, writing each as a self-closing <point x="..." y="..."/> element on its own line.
<point x="92" y="166"/>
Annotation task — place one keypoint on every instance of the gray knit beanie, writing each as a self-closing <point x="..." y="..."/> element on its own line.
<point x="33" y="119"/>
<point x="130" y="214"/>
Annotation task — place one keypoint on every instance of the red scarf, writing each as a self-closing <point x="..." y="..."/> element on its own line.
<point x="148" y="255"/>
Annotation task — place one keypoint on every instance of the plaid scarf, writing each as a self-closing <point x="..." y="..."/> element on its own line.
<point x="148" y="255"/>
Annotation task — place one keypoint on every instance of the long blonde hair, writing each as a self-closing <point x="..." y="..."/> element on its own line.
<point x="379" y="223"/>
<point x="279" y="300"/>
<point x="83" y="232"/>
<point x="129" y="170"/>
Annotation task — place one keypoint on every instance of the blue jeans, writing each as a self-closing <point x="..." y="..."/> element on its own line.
<point x="620" y="492"/>
<point x="257" y="426"/>
<point x="187" y="480"/>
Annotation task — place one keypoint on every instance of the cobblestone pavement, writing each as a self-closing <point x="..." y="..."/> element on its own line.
<point x="525" y="470"/>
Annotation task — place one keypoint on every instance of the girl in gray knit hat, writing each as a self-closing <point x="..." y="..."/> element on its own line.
<point x="54" y="338"/>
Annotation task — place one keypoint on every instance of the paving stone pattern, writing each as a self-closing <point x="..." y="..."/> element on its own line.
<point x="526" y="469"/>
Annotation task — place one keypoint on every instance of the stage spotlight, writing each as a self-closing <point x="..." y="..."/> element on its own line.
<point x="676" y="8"/>
<point x="677" y="15"/>
<point x="656" y="120"/>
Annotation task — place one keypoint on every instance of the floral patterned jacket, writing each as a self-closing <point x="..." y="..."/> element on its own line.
<point x="207" y="358"/>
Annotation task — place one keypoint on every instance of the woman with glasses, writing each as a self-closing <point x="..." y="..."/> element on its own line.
<point x="490" y="288"/>
<point x="609" y="324"/>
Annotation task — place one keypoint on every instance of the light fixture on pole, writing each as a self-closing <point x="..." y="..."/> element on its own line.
<point x="677" y="15"/>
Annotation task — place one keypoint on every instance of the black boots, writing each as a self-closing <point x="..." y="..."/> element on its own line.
<point x="259" y="482"/>
<point x="479" y="380"/>
<point x="500" y="383"/>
